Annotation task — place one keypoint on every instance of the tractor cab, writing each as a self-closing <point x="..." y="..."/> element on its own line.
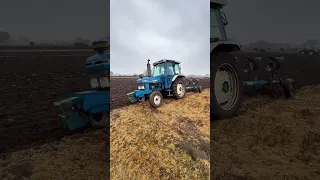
<point x="218" y="21"/>
<point x="164" y="72"/>
<point x="219" y="41"/>
<point x="166" y="67"/>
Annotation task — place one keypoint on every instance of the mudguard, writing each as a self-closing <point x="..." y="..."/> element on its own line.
<point x="230" y="44"/>
<point x="95" y="101"/>
<point x="176" y="76"/>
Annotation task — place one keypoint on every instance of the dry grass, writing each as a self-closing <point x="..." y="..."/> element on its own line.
<point x="81" y="156"/>
<point x="272" y="140"/>
<point x="171" y="142"/>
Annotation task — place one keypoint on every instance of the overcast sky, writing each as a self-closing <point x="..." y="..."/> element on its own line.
<point x="55" y="19"/>
<point x="142" y="29"/>
<point x="273" y="20"/>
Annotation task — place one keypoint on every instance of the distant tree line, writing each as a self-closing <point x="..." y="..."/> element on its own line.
<point x="6" y="39"/>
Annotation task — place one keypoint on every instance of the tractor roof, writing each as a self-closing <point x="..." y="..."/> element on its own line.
<point x="219" y="2"/>
<point x="165" y="60"/>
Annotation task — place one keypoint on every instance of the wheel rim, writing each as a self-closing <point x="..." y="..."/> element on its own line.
<point x="157" y="99"/>
<point x="180" y="89"/>
<point x="226" y="86"/>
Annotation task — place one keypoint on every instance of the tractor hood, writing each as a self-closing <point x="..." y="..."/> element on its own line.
<point x="98" y="62"/>
<point x="148" y="80"/>
<point x="99" y="57"/>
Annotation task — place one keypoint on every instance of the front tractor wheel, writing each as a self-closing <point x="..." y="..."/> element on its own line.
<point x="99" y="120"/>
<point x="226" y="86"/>
<point x="179" y="88"/>
<point x="156" y="99"/>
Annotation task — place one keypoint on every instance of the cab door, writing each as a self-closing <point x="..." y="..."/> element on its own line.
<point x="169" y="66"/>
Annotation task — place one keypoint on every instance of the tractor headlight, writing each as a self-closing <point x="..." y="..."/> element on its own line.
<point x="94" y="83"/>
<point x="141" y="87"/>
<point x="104" y="82"/>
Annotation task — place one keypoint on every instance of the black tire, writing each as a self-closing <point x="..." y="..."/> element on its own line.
<point x="156" y="99"/>
<point x="141" y="99"/>
<point x="99" y="120"/>
<point x="179" y="93"/>
<point x="289" y="88"/>
<point x="216" y="111"/>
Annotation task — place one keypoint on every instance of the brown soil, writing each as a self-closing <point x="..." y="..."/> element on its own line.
<point x="120" y="87"/>
<point x="30" y="83"/>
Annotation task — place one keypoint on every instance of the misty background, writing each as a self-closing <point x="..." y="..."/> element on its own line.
<point x="153" y="29"/>
<point x="286" y="22"/>
<point x="54" y="22"/>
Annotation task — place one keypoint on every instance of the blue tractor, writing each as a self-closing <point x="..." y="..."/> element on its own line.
<point x="165" y="80"/>
<point x="227" y="83"/>
<point x="90" y="108"/>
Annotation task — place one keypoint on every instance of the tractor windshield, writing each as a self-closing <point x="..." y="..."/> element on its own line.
<point x="158" y="70"/>
<point x="177" y="68"/>
<point x="216" y="26"/>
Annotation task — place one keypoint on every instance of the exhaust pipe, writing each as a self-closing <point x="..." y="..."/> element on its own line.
<point x="149" y="68"/>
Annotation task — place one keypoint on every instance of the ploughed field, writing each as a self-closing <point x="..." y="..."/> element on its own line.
<point x="32" y="80"/>
<point x="121" y="86"/>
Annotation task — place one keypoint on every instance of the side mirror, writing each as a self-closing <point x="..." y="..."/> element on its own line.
<point x="224" y="18"/>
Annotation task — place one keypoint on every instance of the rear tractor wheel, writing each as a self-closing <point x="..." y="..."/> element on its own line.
<point x="179" y="88"/>
<point x="226" y="86"/>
